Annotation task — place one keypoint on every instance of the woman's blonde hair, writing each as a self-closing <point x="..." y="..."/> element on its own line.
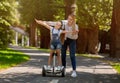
<point x="74" y="20"/>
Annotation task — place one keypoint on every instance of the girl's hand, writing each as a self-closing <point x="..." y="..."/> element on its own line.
<point x="38" y="21"/>
<point x="35" y="19"/>
<point x="42" y="23"/>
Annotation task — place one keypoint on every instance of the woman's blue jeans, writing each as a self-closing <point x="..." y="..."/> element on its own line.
<point x="72" y="48"/>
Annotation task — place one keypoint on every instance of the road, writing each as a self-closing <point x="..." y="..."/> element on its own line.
<point x="88" y="70"/>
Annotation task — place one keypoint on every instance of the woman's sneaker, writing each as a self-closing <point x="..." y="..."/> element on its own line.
<point x="74" y="74"/>
<point x="58" y="68"/>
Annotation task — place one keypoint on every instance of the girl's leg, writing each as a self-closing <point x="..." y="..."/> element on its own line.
<point x="58" y="57"/>
<point x="50" y="57"/>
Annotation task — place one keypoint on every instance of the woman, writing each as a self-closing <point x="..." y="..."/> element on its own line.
<point x="70" y="41"/>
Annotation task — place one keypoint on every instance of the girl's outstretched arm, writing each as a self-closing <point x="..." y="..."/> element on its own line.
<point x="43" y="23"/>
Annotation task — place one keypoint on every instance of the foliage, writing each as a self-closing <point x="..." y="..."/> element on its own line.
<point x="90" y="13"/>
<point x="59" y="7"/>
<point x="7" y="17"/>
<point x="40" y="9"/>
<point x="95" y="12"/>
<point x="116" y="66"/>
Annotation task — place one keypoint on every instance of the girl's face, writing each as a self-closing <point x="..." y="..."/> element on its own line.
<point x="58" y="25"/>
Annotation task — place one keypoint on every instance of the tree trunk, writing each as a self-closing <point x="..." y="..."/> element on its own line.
<point x="115" y="30"/>
<point x="70" y="7"/>
<point x="32" y="34"/>
<point x="82" y="41"/>
<point x="45" y="38"/>
<point x="104" y="39"/>
<point x="87" y="41"/>
<point x="92" y="35"/>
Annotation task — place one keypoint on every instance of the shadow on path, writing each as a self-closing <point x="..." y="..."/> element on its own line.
<point x="88" y="70"/>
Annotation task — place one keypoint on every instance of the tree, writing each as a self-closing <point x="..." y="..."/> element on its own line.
<point x="93" y="15"/>
<point x="7" y="13"/>
<point x="40" y="9"/>
<point x="115" y="30"/>
<point x="70" y="7"/>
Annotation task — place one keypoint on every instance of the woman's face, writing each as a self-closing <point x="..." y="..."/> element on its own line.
<point x="70" y="20"/>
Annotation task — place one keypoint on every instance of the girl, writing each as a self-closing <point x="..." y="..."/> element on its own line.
<point x="55" y="44"/>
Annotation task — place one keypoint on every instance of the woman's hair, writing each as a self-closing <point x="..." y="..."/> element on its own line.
<point x="73" y="16"/>
<point x="74" y="21"/>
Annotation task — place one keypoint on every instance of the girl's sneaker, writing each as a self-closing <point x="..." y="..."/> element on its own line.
<point x="49" y="67"/>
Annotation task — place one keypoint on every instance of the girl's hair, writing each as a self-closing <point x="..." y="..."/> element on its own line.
<point x="61" y="24"/>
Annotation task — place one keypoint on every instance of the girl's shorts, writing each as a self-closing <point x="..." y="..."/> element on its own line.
<point x="55" y="46"/>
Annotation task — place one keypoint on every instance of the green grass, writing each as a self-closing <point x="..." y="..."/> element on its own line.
<point x="10" y="58"/>
<point x="90" y="56"/>
<point x="115" y="65"/>
<point x="44" y="50"/>
<point x="41" y="49"/>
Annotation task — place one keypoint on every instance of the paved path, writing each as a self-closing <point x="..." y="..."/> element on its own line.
<point x="89" y="71"/>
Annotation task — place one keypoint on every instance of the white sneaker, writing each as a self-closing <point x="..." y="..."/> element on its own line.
<point x="48" y="67"/>
<point x="74" y="74"/>
<point x="58" y="68"/>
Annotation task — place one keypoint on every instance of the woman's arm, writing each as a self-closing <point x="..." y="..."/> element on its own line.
<point x="76" y="32"/>
<point x="73" y="32"/>
<point x="65" y="31"/>
<point x="43" y="23"/>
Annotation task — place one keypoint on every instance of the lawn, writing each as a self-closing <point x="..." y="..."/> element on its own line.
<point x="10" y="58"/>
<point x="116" y="66"/>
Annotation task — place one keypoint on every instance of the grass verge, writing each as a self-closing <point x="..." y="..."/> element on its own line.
<point x="115" y="65"/>
<point x="41" y="49"/>
<point x="10" y="58"/>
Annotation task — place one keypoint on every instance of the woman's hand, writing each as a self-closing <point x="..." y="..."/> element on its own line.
<point x="75" y="32"/>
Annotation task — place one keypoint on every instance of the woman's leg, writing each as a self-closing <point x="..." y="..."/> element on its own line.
<point x="63" y="53"/>
<point x="72" y="48"/>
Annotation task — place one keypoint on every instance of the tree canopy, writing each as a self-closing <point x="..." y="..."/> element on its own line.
<point x="7" y="17"/>
<point x="90" y="14"/>
<point x="95" y="12"/>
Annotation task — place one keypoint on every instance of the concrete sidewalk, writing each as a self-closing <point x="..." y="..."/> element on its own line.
<point x="88" y="70"/>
